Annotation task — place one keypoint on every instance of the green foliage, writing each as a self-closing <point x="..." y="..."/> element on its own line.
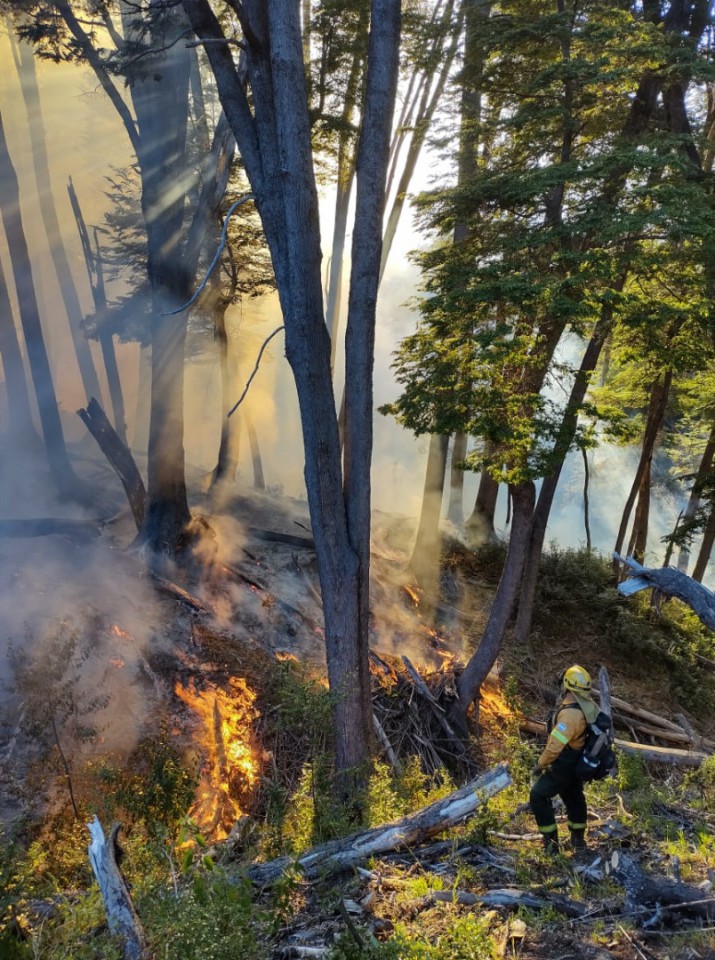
<point x="154" y="788"/>
<point x="702" y="782"/>
<point x="466" y="938"/>
<point x="211" y="918"/>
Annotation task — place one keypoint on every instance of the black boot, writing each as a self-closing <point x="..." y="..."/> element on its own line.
<point x="578" y="841"/>
<point x="551" y="843"/>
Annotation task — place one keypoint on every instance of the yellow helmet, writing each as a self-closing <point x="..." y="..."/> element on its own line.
<point x="578" y="679"/>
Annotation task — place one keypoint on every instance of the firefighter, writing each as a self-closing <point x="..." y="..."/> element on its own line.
<point x="555" y="769"/>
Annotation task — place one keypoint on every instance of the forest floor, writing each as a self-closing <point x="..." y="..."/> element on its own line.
<point x="204" y="728"/>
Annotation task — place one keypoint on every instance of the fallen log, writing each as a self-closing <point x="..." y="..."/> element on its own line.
<point x="275" y="536"/>
<point x="672" y="756"/>
<point x="642" y="888"/>
<point x="672" y="583"/>
<point x="178" y="593"/>
<point x="122" y="919"/>
<point x="119" y="456"/>
<point x="409" y="831"/>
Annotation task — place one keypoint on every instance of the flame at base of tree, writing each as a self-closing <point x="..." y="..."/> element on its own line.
<point x="230" y="767"/>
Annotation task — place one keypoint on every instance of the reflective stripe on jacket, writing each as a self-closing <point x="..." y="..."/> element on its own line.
<point x="569" y="730"/>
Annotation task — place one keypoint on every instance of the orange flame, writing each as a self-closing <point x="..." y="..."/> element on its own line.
<point x="230" y="769"/>
<point x="120" y="634"/>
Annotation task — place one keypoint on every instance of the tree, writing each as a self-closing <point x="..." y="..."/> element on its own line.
<point x="149" y="53"/>
<point x="10" y="212"/>
<point x="566" y="201"/>
<point x="273" y="133"/>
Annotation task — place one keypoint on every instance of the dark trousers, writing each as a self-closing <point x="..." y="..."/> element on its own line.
<point x="558" y="779"/>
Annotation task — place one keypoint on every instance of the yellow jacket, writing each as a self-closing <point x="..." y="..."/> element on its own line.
<point x="569" y="730"/>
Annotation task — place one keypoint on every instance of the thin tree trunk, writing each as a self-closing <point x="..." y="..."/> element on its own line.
<point x="95" y="274"/>
<point x="476" y="671"/>
<point x="229" y="446"/>
<point x="481" y="521"/>
<point x="639" y="533"/>
<point x="706" y="547"/>
<point x="62" y="471"/>
<point x="704" y="469"/>
<point x="589" y="361"/>
<point x="31" y="95"/>
<point x="654" y="422"/>
<point x="258" y="480"/>
<point x="425" y="561"/>
<point x="21" y="429"/>
<point x="586" y="520"/>
<point x="455" y="510"/>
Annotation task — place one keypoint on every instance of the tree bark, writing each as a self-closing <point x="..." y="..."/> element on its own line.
<point x="706" y="547"/>
<point x="60" y="466"/>
<point x="481" y="521"/>
<point x="118" y="455"/>
<point x="656" y="413"/>
<point x="672" y="583"/>
<point x="258" y="479"/>
<point x="455" y="510"/>
<point x="273" y="135"/>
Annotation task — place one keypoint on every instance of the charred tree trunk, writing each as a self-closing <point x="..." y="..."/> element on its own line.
<point x="62" y="471"/>
<point x="654" y="422"/>
<point x="119" y="456"/>
<point x="475" y="673"/>
<point x="639" y="533"/>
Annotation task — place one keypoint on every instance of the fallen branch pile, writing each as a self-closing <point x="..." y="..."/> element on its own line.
<point x="410" y="715"/>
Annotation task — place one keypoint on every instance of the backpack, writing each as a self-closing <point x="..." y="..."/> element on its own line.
<point x="597" y="758"/>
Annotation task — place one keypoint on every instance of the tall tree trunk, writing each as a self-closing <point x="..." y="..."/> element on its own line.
<point x="480" y="523"/>
<point x="21" y="429"/>
<point x="455" y="510"/>
<point x="160" y="96"/>
<point x="273" y="134"/>
<point x="475" y="673"/>
<point x="567" y="432"/>
<point x="706" y="547"/>
<point x="95" y="274"/>
<point x="31" y="95"/>
<point x="229" y="446"/>
<point x="62" y="471"/>
<point x="656" y="413"/>
<point x="426" y="553"/>
<point x="704" y="470"/>
<point x="639" y="533"/>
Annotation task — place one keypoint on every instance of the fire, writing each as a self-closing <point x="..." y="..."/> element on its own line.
<point x="230" y="769"/>
<point x="120" y="634"/>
